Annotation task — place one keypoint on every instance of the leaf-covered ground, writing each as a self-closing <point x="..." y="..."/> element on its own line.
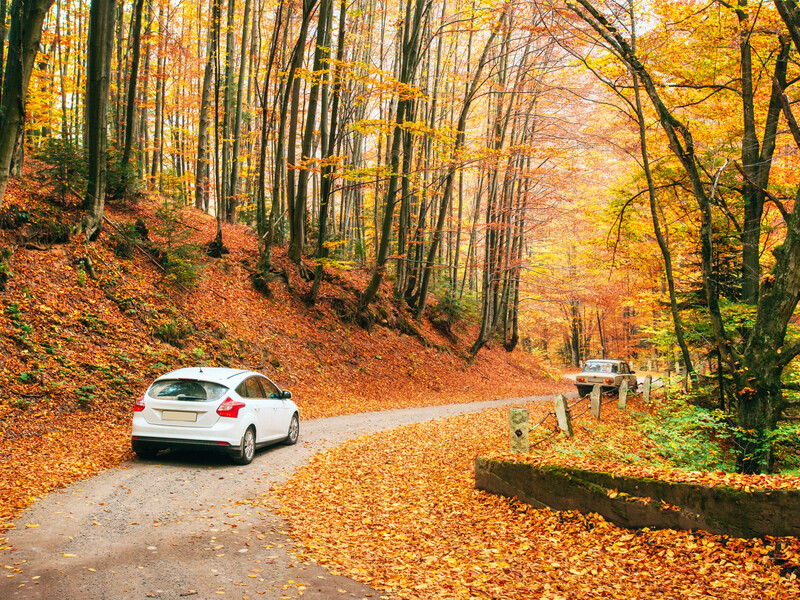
<point x="399" y="511"/>
<point x="79" y="344"/>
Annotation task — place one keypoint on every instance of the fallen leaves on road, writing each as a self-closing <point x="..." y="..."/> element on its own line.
<point x="398" y="511"/>
<point x="75" y="351"/>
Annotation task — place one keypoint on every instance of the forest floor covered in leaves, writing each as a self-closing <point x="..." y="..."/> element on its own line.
<point x="86" y="328"/>
<point x="400" y="512"/>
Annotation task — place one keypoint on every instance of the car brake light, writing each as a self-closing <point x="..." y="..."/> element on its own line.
<point x="609" y="380"/>
<point x="230" y="408"/>
<point x="138" y="406"/>
<point x="581" y="378"/>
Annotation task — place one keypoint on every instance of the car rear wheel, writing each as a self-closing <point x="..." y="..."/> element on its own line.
<point x="145" y="451"/>
<point x="294" y="431"/>
<point x="248" y="448"/>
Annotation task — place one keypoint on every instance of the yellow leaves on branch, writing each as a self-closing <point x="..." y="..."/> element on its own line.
<point x="399" y="511"/>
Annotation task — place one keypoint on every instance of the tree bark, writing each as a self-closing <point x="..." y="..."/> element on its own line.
<point x="297" y="227"/>
<point x="130" y="109"/>
<point x="326" y="183"/>
<point x="27" y="18"/>
<point x="202" y="163"/>
<point x="237" y="120"/>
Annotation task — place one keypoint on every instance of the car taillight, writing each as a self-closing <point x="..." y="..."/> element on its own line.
<point x="138" y="406"/>
<point x="609" y="380"/>
<point x="581" y="379"/>
<point x="230" y="408"/>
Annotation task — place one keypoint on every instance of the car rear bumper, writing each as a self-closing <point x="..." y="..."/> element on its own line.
<point x="162" y="442"/>
<point x="227" y="433"/>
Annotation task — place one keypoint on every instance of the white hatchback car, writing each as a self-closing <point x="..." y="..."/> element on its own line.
<point x="232" y="410"/>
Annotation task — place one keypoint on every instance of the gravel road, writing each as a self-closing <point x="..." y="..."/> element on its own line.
<point x="183" y="526"/>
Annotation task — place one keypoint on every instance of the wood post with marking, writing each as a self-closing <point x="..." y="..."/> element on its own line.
<point x="520" y="430"/>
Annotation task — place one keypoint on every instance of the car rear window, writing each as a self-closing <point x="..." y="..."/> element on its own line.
<point x="600" y="367"/>
<point x="183" y="389"/>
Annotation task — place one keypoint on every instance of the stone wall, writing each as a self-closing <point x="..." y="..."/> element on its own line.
<point x="633" y="502"/>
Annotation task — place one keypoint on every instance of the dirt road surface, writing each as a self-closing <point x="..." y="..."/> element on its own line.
<point x="185" y="525"/>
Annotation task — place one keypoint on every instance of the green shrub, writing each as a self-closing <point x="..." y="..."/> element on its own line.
<point x="179" y="257"/>
<point x="85" y="395"/>
<point x="5" y="268"/>
<point x="124" y="240"/>
<point x="691" y="437"/>
<point x="173" y="331"/>
<point x="121" y="182"/>
<point x="65" y="166"/>
<point x="179" y="270"/>
<point x="450" y="309"/>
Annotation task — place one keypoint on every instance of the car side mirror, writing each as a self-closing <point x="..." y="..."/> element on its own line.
<point x="286" y="395"/>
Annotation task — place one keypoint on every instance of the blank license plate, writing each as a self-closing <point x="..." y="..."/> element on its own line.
<point x="179" y="415"/>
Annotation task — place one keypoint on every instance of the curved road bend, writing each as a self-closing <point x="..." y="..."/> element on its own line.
<point x="178" y="527"/>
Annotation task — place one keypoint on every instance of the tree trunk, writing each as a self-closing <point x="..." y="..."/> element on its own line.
<point x="265" y="225"/>
<point x="130" y="112"/>
<point x="158" y="127"/>
<point x="3" y="32"/>
<point x="289" y="97"/>
<point x="297" y="227"/>
<point x="201" y="170"/>
<point x="27" y="18"/>
<point x="98" y="78"/>
<point x="237" y="121"/>
<point x="661" y="237"/>
<point x="326" y="184"/>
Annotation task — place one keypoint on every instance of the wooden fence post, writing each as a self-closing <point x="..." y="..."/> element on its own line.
<point x="648" y="382"/>
<point x="562" y="414"/>
<point x="520" y="430"/>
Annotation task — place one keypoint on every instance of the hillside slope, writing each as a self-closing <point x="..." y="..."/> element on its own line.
<point x="85" y="328"/>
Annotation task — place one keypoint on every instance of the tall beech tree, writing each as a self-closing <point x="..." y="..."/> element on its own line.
<point x="201" y="169"/>
<point x="98" y="78"/>
<point x="27" y="18"/>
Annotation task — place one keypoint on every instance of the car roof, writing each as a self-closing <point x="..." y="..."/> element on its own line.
<point x="221" y="375"/>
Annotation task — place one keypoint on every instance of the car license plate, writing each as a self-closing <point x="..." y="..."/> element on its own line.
<point x="179" y="415"/>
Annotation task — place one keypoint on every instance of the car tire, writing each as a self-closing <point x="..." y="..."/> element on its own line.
<point x="294" y="431"/>
<point x="144" y="451"/>
<point x="247" y="449"/>
<point x="584" y="391"/>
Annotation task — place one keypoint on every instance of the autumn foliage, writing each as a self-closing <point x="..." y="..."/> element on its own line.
<point x="83" y="332"/>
